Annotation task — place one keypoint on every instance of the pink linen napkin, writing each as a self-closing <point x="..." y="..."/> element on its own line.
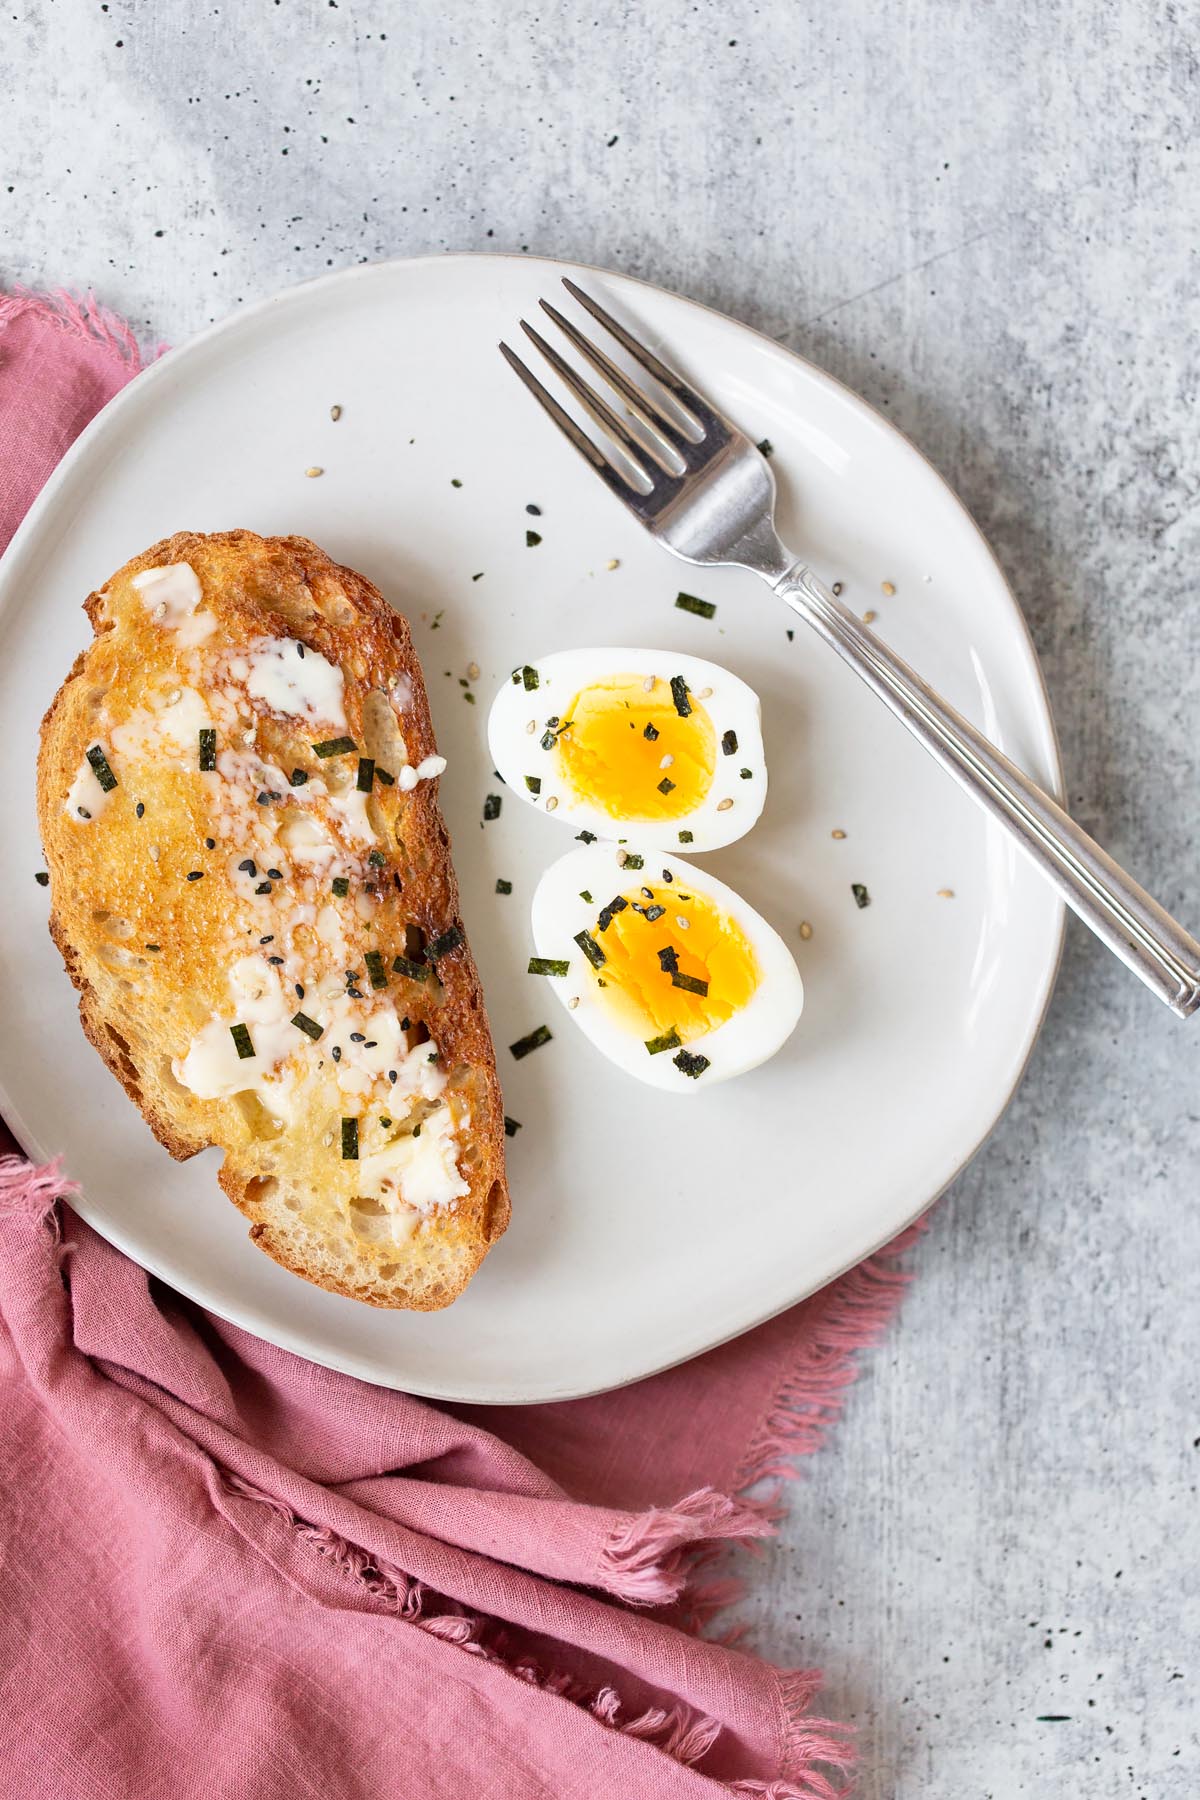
<point x="225" y="1571"/>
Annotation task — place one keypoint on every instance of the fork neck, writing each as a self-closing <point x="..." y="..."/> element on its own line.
<point x="760" y="550"/>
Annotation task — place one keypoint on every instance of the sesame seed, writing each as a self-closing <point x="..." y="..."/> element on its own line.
<point x="667" y="761"/>
<point x="704" y="694"/>
<point x="614" y="562"/>
<point x="573" y="1002"/>
<point x="683" y="924"/>
<point x="531" y="727"/>
<point x="313" y="472"/>
<point x="327" y="1139"/>
<point x="648" y="684"/>
<point x="473" y="671"/>
<point x="335" y="413"/>
<point x="175" y="695"/>
<point x="870" y="616"/>
<point x="724" y="805"/>
<point x="805" y="930"/>
<point x="622" y="858"/>
<point x="154" y="853"/>
<point x="551" y="803"/>
<point x="838" y="834"/>
<point x="140" y="809"/>
<point x="837" y="587"/>
<point x="945" y="893"/>
<point x="886" y="587"/>
<point x="195" y="874"/>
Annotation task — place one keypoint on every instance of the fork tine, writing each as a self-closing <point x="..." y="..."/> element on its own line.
<point x="634" y="448"/>
<point x="701" y="409"/>
<point x="642" y="405"/>
<point x="566" y="424"/>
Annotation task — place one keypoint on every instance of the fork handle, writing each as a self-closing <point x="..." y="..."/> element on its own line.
<point x="1108" y="901"/>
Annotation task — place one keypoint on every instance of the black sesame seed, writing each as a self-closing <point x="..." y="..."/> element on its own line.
<point x="140" y="809"/>
<point x="248" y="867"/>
<point x="269" y="939"/>
<point x="264" y="887"/>
<point x="275" y="959"/>
<point x="42" y="879"/>
<point x="195" y="874"/>
<point x="358" y="1037"/>
<point x="210" y="843"/>
<point x="336" y="1053"/>
<point x="275" y="874"/>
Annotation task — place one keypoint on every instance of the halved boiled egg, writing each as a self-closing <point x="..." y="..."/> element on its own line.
<point x="657" y="749"/>
<point x="668" y="971"/>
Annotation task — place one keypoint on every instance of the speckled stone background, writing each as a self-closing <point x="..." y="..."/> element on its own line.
<point x="986" y="220"/>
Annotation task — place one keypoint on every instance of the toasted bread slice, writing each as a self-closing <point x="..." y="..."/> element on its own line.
<point x="251" y="888"/>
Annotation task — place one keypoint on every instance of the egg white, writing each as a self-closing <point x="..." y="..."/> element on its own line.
<point x="732" y="706"/>
<point x="744" y="1041"/>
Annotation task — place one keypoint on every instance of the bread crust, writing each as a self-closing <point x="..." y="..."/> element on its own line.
<point x="150" y="949"/>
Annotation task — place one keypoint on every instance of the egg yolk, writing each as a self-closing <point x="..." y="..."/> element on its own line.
<point x="627" y="750"/>
<point x="688" y="970"/>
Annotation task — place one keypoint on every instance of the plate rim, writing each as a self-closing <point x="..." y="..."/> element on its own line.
<point x="108" y="418"/>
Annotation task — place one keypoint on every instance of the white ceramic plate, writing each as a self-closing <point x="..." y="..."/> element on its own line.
<point x="646" y="1227"/>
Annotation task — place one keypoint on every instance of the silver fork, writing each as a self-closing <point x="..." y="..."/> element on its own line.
<point x="706" y="493"/>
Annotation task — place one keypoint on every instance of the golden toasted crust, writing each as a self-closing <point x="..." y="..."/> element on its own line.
<point x="165" y="965"/>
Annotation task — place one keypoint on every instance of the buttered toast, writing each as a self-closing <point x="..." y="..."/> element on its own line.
<point x="251" y="888"/>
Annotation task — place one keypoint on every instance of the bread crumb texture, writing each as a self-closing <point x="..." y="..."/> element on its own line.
<point x="252" y="890"/>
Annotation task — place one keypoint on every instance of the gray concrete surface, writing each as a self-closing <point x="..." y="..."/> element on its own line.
<point x="985" y="220"/>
